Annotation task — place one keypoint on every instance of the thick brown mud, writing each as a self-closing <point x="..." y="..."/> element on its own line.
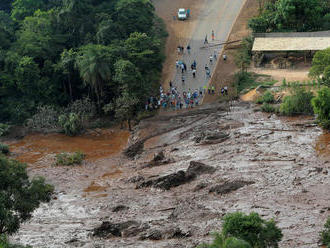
<point x="95" y="144"/>
<point x="280" y="156"/>
<point x="323" y="145"/>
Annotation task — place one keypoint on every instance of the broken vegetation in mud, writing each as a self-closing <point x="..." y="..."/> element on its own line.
<point x="181" y="177"/>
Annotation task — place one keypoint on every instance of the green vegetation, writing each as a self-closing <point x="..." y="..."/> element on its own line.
<point x="71" y="124"/>
<point x="4" y="129"/>
<point x="247" y="81"/>
<point x="221" y="241"/>
<point x="4" y="243"/>
<point x="4" y="149"/>
<point x="243" y="56"/>
<point x="321" y="66"/>
<point x="19" y="196"/>
<point x="291" y="16"/>
<point x="321" y="106"/>
<point x="245" y="231"/>
<point x="269" y="108"/>
<point x="325" y="234"/>
<point x="53" y="53"/>
<point x="68" y="159"/>
<point x="298" y="103"/>
<point x="267" y="97"/>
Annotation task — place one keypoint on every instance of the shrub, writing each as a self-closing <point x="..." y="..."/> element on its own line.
<point x="84" y="108"/>
<point x="298" y="103"/>
<point x="20" y="196"/>
<point x="325" y="234"/>
<point x="251" y="228"/>
<point x="4" y="149"/>
<point x="243" y="80"/>
<point x="4" y="129"/>
<point x="267" y="97"/>
<point x="284" y="84"/>
<point x="71" y="124"/>
<point x="221" y="241"/>
<point x="321" y="106"/>
<point x="46" y="117"/>
<point x="68" y="159"/>
<point x="4" y="243"/>
<point x="268" y="108"/>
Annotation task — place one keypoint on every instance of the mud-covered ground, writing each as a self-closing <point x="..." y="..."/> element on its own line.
<point x="249" y="161"/>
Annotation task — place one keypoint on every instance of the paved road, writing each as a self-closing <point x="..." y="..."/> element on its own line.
<point x="217" y="15"/>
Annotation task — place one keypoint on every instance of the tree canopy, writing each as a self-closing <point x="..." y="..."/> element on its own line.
<point x="321" y="66"/>
<point x="292" y="15"/>
<point x="53" y="52"/>
<point x="19" y="196"/>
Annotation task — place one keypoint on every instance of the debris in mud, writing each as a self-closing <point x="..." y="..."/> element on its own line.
<point x="228" y="187"/>
<point x="159" y="159"/>
<point x="134" y="149"/>
<point x="199" y="168"/>
<point x="110" y="230"/>
<point x="119" y="208"/>
<point x="169" y="233"/>
<point x="178" y="178"/>
<point x="154" y="234"/>
<point x="209" y="138"/>
<point x="135" y="179"/>
<point x="200" y="186"/>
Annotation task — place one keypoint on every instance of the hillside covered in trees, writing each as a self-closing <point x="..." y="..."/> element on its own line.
<point x="53" y="52"/>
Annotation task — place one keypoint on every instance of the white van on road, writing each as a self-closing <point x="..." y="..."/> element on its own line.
<point x="182" y="14"/>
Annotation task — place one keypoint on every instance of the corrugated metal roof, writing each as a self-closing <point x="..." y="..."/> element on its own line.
<point x="291" y="44"/>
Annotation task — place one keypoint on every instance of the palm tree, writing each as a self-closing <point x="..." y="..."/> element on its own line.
<point x="93" y="63"/>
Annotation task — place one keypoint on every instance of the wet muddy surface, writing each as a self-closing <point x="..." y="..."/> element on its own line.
<point x="95" y="144"/>
<point x="258" y="162"/>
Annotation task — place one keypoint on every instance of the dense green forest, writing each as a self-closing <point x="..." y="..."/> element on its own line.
<point x="54" y="52"/>
<point x="291" y="16"/>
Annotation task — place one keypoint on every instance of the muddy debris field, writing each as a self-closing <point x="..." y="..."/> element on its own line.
<point x="180" y="173"/>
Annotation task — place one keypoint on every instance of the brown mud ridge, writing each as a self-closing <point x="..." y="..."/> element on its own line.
<point x="191" y="169"/>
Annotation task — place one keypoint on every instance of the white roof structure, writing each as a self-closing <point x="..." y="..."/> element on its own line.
<point x="263" y="44"/>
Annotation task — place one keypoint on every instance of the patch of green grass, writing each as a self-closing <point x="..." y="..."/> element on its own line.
<point x="267" y="97"/>
<point x="4" y="149"/>
<point x="247" y="80"/>
<point x="4" y="129"/>
<point x="69" y="159"/>
<point x="269" y="108"/>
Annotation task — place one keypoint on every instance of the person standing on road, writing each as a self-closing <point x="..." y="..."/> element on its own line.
<point x="182" y="79"/>
<point x="205" y="40"/>
<point x="188" y="49"/>
<point x="224" y="57"/>
<point x="213" y="89"/>
<point x="211" y="59"/>
<point x="194" y="73"/>
<point x="215" y="55"/>
<point x="185" y="66"/>
<point x="194" y="64"/>
<point x="212" y="35"/>
<point x="182" y="68"/>
<point x="177" y="64"/>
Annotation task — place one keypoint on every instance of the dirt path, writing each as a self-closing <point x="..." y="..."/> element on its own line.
<point x="290" y="75"/>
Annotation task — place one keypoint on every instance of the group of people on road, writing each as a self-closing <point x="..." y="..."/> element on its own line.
<point x="173" y="99"/>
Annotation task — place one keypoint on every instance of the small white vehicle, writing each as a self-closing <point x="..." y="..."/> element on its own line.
<point x="182" y="14"/>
